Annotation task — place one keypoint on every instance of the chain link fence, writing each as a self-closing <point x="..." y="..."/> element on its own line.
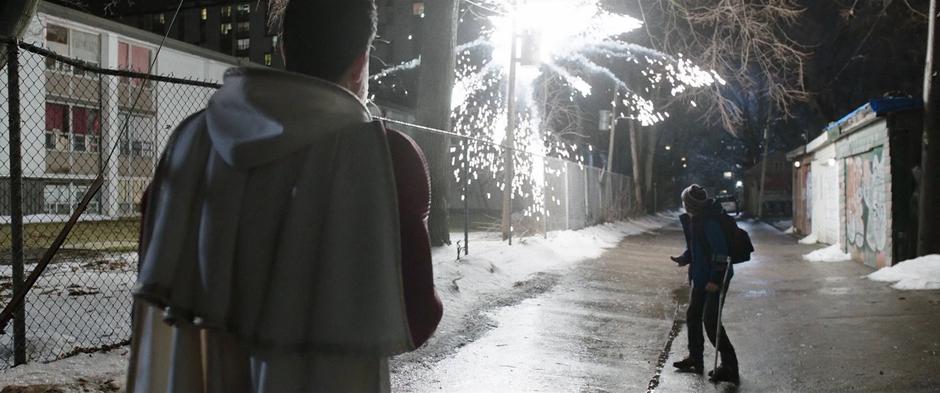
<point x="74" y="122"/>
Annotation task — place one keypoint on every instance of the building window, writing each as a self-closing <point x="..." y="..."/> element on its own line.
<point x="267" y="59"/>
<point x="204" y="14"/>
<point x="134" y="58"/>
<point x="227" y="11"/>
<point x="244" y="27"/>
<point x="86" y="129"/>
<point x="137" y="141"/>
<point x="64" y="198"/>
<point x="158" y="22"/>
<point x="130" y="192"/>
<point x="57" y="131"/>
<point x="72" y="43"/>
<point x="417" y="8"/>
<point x="243" y="43"/>
<point x="226" y="28"/>
<point x="243" y="10"/>
<point x="81" y="134"/>
<point x="57" y="198"/>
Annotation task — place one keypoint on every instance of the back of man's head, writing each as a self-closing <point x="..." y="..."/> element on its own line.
<point x="323" y="38"/>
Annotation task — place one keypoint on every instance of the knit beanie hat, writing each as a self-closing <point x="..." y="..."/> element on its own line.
<point x="694" y="199"/>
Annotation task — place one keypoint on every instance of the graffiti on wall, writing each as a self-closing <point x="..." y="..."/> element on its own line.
<point x="866" y="204"/>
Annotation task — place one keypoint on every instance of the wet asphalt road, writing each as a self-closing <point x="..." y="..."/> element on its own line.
<point x="798" y="327"/>
<point x="821" y="327"/>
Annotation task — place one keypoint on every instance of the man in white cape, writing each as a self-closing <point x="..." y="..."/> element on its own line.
<point x="284" y="243"/>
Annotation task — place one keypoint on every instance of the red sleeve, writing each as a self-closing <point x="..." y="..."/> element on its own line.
<point x="422" y="304"/>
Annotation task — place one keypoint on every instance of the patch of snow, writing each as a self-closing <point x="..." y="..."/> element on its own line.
<point x="95" y="372"/>
<point x="54" y="218"/>
<point x="791" y="230"/>
<point x="913" y="274"/>
<point x="832" y="253"/>
<point x="811" y="239"/>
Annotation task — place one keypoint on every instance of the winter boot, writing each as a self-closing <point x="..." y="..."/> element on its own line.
<point x="689" y="365"/>
<point x="725" y="374"/>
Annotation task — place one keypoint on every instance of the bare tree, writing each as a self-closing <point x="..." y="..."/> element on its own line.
<point x="748" y="43"/>
<point x="435" y="86"/>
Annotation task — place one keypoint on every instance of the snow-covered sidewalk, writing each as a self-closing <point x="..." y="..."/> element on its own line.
<point x="492" y="268"/>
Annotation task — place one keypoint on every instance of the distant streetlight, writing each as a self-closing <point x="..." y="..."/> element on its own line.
<point x="739" y="184"/>
<point x="728" y="174"/>
<point x="668" y="147"/>
<point x="796" y="164"/>
<point x="683" y="158"/>
<point x="685" y="165"/>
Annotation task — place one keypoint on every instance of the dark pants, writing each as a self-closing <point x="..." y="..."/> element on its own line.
<point x="703" y="308"/>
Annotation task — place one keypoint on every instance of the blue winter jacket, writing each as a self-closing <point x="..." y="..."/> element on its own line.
<point x="706" y="246"/>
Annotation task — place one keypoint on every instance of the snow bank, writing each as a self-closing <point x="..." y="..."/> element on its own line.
<point x="913" y="274"/>
<point x="791" y="230"/>
<point x="811" y="239"/>
<point x="54" y="218"/>
<point x="832" y="253"/>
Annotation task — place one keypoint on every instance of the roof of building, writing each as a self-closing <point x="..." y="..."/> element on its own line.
<point x="133" y="32"/>
<point x="871" y="110"/>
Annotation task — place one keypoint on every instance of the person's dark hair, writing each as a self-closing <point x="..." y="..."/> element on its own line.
<point x="322" y="38"/>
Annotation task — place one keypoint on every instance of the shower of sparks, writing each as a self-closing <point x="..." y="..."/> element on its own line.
<point x="563" y="40"/>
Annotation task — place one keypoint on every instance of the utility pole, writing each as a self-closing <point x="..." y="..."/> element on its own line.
<point x="508" y="150"/>
<point x="928" y="230"/>
<point x="612" y="127"/>
<point x="635" y="157"/>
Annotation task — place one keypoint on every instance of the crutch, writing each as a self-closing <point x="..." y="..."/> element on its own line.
<point x="721" y="305"/>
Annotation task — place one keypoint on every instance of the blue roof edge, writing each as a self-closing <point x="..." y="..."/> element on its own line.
<point x="880" y="106"/>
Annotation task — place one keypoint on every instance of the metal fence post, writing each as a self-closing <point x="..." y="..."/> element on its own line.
<point x="16" y="199"/>
<point x="466" y="198"/>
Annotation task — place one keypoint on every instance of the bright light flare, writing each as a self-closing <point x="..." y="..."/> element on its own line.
<point x="557" y="27"/>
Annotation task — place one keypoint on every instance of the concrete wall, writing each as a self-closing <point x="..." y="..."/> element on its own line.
<point x="866" y="163"/>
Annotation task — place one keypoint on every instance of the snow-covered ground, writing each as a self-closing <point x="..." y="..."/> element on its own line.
<point x="85" y="295"/>
<point x="52" y="218"/>
<point x="810" y="239"/>
<point x="914" y="274"/>
<point x="77" y="303"/>
<point x="832" y="253"/>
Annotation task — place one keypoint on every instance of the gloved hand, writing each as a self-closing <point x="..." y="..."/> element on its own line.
<point x="681" y="260"/>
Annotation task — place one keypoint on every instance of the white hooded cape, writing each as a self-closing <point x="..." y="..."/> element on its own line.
<point x="270" y="252"/>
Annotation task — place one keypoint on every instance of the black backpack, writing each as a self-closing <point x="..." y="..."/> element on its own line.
<point x="739" y="241"/>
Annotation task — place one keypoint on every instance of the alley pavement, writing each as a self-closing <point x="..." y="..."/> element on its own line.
<point x="798" y="327"/>
<point x="820" y="327"/>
